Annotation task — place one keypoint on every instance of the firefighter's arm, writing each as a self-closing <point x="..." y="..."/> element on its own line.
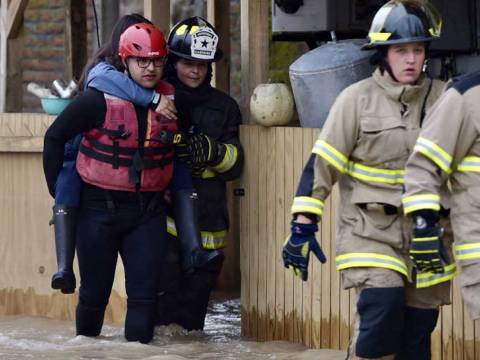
<point x="328" y="161"/>
<point x="329" y="158"/>
<point x="229" y="162"/>
<point x="441" y="148"/>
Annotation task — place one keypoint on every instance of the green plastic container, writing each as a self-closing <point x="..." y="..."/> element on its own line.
<point x="54" y="106"/>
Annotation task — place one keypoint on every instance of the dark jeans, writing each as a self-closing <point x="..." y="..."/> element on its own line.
<point x="139" y="237"/>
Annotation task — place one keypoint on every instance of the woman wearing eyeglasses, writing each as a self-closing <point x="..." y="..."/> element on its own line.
<point x="211" y="119"/>
<point x="125" y="170"/>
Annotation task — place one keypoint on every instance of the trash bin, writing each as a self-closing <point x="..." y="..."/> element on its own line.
<point x="318" y="76"/>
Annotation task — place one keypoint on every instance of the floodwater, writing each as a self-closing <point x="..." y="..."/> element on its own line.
<point x="40" y="338"/>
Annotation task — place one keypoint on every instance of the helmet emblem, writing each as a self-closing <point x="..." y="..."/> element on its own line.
<point x="204" y="43"/>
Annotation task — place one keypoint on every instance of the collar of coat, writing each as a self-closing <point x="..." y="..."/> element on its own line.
<point x="400" y="92"/>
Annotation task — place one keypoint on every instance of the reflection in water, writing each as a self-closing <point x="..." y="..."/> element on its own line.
<point x="40" y="338"/>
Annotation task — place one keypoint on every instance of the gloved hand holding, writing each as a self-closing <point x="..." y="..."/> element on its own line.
<point x="427" y="250"/>
<point x="199" y="149"/>
<point x="297" y="247"/>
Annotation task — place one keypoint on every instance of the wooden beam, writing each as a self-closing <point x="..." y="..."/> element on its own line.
<point x="75" y="38"/>
<point x="110" y="15"/>
<point x="15" y="17"/>
<point x="254" y="48"/>
<point x="218" y="14"/>
<point x="3" y="54"/>
<point x="158" y="12"/>
<point x="14" y="82"/>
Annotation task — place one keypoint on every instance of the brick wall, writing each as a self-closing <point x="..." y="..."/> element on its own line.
<point x="44" y="46"/>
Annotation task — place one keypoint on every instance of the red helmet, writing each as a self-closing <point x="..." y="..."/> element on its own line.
<point x="142" y="40"/>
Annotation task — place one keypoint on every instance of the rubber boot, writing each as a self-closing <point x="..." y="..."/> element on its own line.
<point x="196" y="290"/>
<point x="140" y="320"/>
<point x="64" y="220"/>
<point x="89" y="320"/>
<point x="186" y="222"/>
<point x="419" y="325"/>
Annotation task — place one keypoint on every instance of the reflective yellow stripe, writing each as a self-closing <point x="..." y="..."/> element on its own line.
<point x="379" y="36"/>
<point x="331" y="155"/>
<point x="429" y="278"/>
<point x="426" y="238"/>
<point x="171" y="228"/>
<point x="434" y="153"/>
<point x="350" y="260"/>
<point x="194" y="29"/>
<point x="367" y="173"/>
<point x="467" y="251"/>
<point x="419" y="202"/>
<point x="213" y="239"/>
<point x="470" y="163"/>
<point x="181" y="30"/>
<point x="230" y="158"/>
<point x="359" y="171"/>
<point x="210" y="239"/>
<point x="423" y="252"/>
<point x="307" y="204"/>
<point x="207" y="174"/>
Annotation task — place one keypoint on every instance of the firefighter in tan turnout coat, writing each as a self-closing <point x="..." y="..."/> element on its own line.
<point x="369" y="134"/>
<point x="449" y="148"/>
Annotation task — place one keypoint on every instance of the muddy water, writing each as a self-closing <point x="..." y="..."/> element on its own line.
<point x="40" y="338"/>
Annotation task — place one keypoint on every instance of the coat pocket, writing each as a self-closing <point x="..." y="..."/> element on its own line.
<point x="382" y="139"/>
<point x="379" y="218"/>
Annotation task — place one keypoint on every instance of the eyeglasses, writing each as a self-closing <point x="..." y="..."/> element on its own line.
<point x="145" y="62"/>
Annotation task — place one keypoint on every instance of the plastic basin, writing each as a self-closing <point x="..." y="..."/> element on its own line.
<point x="54" y="106"/>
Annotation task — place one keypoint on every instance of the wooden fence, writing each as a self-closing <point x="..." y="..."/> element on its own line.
<point x="275" y="304"/>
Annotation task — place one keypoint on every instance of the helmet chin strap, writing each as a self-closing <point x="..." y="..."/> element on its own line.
<point x="384" y="65"/>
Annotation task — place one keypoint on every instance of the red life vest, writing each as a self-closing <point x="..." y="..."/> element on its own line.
<point x="110" y="156"/>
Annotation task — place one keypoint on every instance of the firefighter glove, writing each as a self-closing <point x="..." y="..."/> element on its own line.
<point x="297" y="247"/>
<point x="427" y="250"/>
<point x="199" y="149"/>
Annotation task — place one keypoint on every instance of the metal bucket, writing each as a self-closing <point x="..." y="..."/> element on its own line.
<point x="320" y="75"/>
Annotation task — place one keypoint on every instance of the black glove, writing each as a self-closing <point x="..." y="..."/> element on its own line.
<point x="297" y="247"/>
<point x="198" y="150"/>
<point x="427" y="250"/>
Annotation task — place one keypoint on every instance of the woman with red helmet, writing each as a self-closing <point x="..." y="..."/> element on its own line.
<point x="125" y="170"/>
<point x="211" y="118"/>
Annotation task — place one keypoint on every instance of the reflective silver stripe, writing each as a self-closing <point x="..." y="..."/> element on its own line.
<point x="210" y="239"/>
<point x="367" y="173"/>
<point x="171" y="228"/>
<point x="434" y="153"/>
<point x="470" y="163"/>
<point x="370" y="260"/>
<point x="230" y="158"/>
<point x="423" y="201"/>
<point x="467" y="251"/>
<point x="213" y="240"/>
<point x="429" y="279"/>
<point x="307" y="204"/>
<point x="331" y="155"/>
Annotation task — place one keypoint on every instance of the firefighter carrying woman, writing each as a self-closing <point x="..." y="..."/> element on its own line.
<point x="125" y="168"/>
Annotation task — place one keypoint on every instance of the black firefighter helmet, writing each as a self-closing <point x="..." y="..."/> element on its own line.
<point x="194" y="39"/>
<point x="404" y="21"/>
